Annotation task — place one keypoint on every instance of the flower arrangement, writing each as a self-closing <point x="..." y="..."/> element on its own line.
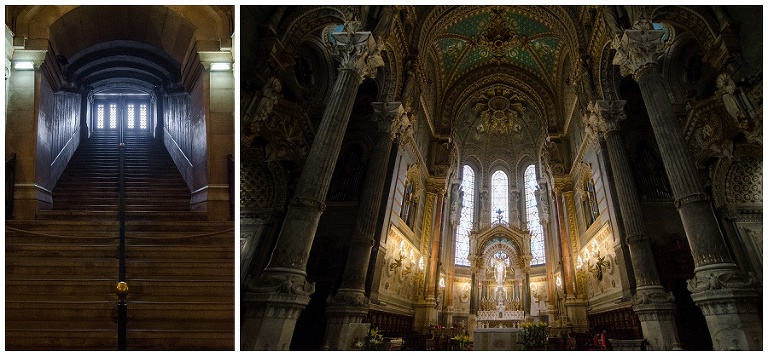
<point x="373" y="341"/>
<point x="533" y="336"/>
<point x="462" y="340"/>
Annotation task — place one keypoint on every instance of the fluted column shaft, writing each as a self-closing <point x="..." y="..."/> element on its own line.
<point x="350" y="305"/>
<point x="568" y="277"/>
<point x="433" y="276"/>
<point x="654" y="306"/>
<point x="608" y="113"/>
<point x="282" y="291"/>
<point x="726" y="296"/>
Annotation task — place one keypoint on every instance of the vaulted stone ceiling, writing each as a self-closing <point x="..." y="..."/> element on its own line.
<point x="496" y="35"/>
<point x="96" y="44"/>
<point x="498" y="73"/>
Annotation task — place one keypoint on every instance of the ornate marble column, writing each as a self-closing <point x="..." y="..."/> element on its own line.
<point x="350" y="305"/>
<point x="726" y="296"/>
<point x="576" y="303"/>
<point x="565" y="250"/>
<point x="274" y="300"/>
<point x="550" y="255"/>
<point x="653" y="305"/>
<point x="426" y="312"/>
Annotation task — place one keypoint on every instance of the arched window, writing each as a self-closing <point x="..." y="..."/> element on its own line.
<point x="499" y="198"/>
<point x="532" y="216"/>
<point x="466" y="218"/>
<point x="589" y="203"/>
<point x="410" y="204"/>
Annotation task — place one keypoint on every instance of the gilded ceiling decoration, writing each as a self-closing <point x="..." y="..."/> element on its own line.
<point x="497" y="35"/>
<point x="500" y="111"/>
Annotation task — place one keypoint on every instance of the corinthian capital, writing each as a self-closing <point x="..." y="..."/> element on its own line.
<point x="356" y="50"/>
<point x="388" y="116"/>
<point x="607" y="114"/>
<point x="638" y="48"/>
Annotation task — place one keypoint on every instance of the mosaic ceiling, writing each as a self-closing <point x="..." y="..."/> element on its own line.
<point x="497" y="36"/>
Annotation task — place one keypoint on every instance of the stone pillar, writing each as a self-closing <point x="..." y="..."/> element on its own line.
<point x="350" y="305"/>
<point x="653" y="305"/>
<point x="473" y="298"/>
<point x="218" y="95"/>
<point x="726" y="296"/>
<point x="380" y="248"/>
<point x="433" y="210"/>
<point x="274" y="300"/>
<point x="565" y="251"/>
<point x="453" y="209"/>
<point x="576" y="303"/>
<point x="22" y="123"/>
<point x="550" y="255"/>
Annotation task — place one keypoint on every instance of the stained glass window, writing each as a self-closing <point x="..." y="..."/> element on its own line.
<point x="532" y="216"/>
<point x="466" y="218"/>
<point x="499" y="198"/>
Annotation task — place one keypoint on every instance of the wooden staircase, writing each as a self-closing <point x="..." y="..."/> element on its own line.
<point x="62" y="268"/>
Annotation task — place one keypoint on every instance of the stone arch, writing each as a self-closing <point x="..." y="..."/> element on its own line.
<point x="685" y="71"/>
<point x="515" y="237"/>
<point x="301" y="24"/>
<point x="512" y="252"/>
<point x="172" y="28"/>
<point x="701" y="24"/>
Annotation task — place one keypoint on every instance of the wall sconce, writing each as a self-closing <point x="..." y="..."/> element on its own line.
<point x="397" y="263"/>
<point x="600" y="265"/>
<point x="595" y="249"/>
<point x="405" y="260"/>
<point x="24" y="65"/>
<point x="441" y="283"/>
<point x="559" y="282"/>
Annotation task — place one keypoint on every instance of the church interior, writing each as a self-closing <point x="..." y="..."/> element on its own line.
<point x="119" y="178"/>
<point x="500" y="177"/>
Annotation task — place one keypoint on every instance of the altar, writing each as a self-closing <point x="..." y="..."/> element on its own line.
<point x="496" y="339"/>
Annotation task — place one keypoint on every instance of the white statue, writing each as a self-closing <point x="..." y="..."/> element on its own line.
<point x="500" y="270"/>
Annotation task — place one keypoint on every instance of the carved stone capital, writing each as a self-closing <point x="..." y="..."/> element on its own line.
<point x="389" y="117"/>
<point x="609" y="114"/>
<point x="638" y="48"/>
<point x="356" y="50"/>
